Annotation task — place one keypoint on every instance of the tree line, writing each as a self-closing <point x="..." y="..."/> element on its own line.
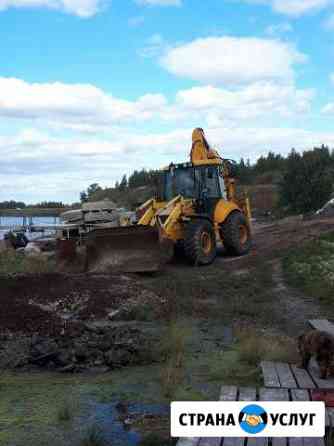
<point x="12" y="204"/>
<point x="305" y="181"/>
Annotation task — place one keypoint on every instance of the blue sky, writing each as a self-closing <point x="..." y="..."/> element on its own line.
<point x="92" y="89"/>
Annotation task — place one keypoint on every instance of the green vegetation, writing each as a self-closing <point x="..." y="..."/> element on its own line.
<point x="303" y="182"/>
<point x="11" y="262"/>
<point x="240" y="364"/>
<point x="12" y="204"/>
<point x="173" y="353"/>
<point x="215" y="295"/>
<point x="311" y="268"/>
<point x="65" y="410"/>
<point x="93" y="437"/>
<point x="307" y="181"/>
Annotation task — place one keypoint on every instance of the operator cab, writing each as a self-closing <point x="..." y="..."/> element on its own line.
<point x="205" y="182"/>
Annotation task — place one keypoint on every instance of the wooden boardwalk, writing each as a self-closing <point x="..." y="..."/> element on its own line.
<point x="281" y="375"/>
<point x="233" y="393"/>
<point x="282" y="382"/>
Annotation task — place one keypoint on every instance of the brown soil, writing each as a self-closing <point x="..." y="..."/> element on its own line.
<point x="272" y="240"/>
<point x="46" y="303"/>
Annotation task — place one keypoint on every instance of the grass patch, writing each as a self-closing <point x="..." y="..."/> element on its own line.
<point x="65" y="410"/>
<point x="229" y="368"/>
<point x="240" y="364"/>
<point x="311" y="268"/>
<point x="173" y="353"/>
<point x="12" y="263"/>
<point x="209" y="292"/>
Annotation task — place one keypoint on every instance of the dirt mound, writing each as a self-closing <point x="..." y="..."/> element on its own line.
<point x="70" y="322"/>
<point x="49" y="303"/>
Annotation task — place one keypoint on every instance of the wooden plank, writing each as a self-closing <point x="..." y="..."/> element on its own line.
<point x="330" y="416"/>
<point x="303" y="379"/>
<point x="327" y="418"/>
<point x="228" y="393"/>
<point x="315" y="374"/>
<point x="314" y="441"/>
<point x="285" y="375"/>
<point x="279" y="441"/>
<point x="213" y="441"/>
<point x="322" y="325"/>
<point x="188" y="442"/>
<point x="274" y="394"/>
<point x="247" y="394"/>
<point x="270" y="376"/>
<point x="234" y="442"/>
<point x="300" y="395"/>
<point x="258" y="441"/>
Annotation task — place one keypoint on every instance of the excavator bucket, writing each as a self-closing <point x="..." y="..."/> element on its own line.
<point x="126" y="249"/>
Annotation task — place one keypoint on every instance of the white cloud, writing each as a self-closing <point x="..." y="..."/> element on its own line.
<point x="294" y="8"/>
<point x="331" y="77"/>
<point x="74" y="135"/>
<point x="72" y="103"/>
<point x="278" y="29"/>
<point x="251" y="102"/>
<point x="84" y="108"/>
<point x="159" y="2"/>
<point x="41" y="167"/>
<point x="233" y="61"/>
<point x="81" y="8"/>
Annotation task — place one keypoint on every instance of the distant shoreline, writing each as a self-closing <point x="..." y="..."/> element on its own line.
<point x="33" y="212"/>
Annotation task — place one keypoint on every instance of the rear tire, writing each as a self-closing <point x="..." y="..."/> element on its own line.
<point x="200" y="243"/>
<point x="236" y="234"/>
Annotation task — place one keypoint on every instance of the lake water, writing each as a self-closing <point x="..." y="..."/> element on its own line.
<point x="13" y="222"/>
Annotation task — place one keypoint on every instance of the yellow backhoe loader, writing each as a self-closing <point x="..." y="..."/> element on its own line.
<point x="195" y="207"/>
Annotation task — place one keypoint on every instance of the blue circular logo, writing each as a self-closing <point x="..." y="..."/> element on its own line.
<point x="253" y="419"/>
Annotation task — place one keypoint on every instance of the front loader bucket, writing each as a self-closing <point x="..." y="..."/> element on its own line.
<point x="124" y="249"/>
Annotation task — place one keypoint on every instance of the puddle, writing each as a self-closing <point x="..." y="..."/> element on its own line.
<point x="115" y="433"/>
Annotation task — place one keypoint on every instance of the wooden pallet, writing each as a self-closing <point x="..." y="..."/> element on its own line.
<point x="282" y="375"/>
<point x="283" y="382"/>
<point x="233" y="393"/>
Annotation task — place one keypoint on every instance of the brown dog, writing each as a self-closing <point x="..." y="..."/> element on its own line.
<point x="321" y="345"/>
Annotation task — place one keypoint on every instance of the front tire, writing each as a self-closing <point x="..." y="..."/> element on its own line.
<point x="200" y="243"/>
<point x="236" y="234"/>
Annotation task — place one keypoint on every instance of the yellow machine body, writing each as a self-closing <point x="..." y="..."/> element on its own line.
<point x="179" y="209"/>
<point x="179" y="220"/>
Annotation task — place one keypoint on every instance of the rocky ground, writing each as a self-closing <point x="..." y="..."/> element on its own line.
<point x="74" y="322"/>
<point x="71" y="322"/>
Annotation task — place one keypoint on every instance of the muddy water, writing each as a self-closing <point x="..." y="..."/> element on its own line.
<point x="113" y="430"/>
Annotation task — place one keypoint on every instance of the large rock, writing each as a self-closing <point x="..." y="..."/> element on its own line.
<point x="327" y="210"/>
<point x="32" y="249"/>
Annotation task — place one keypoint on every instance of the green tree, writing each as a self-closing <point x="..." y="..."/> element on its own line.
<point x="307" y="181"/>
<point x="83" y="196"/>
<point x="124" y="183"/>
